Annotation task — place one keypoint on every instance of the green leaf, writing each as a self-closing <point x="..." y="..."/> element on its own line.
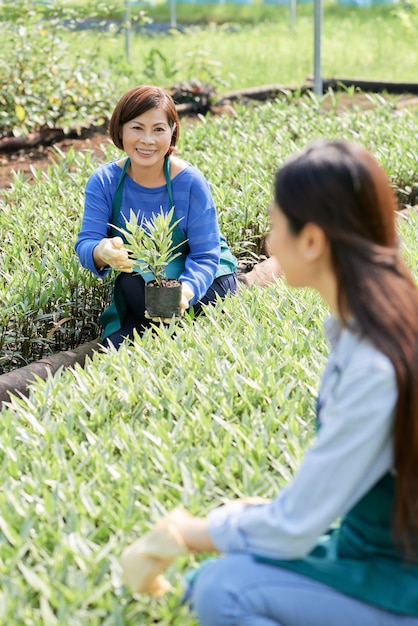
<point x="35" y="581"/>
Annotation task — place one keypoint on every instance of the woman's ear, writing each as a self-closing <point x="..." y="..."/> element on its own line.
<point x="314" y="242"/>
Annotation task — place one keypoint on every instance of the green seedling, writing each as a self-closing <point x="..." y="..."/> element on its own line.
<point x="150" y="243"/>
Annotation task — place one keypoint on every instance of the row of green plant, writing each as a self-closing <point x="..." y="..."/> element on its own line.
<point x="50" y="303"/>
<point x="220" y="409"/>
<point x="192" y="414"/>
<point x="117" y="11"/>
<point x="54" y="73"/>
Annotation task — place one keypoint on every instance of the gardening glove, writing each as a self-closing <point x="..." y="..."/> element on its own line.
<point x="113" y="253"/>
<point x="186" y="295"/>
<point x="145" y="559"/>
<point x="253" y="500"/>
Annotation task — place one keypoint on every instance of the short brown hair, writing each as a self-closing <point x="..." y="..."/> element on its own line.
<point x="137" y="101"/>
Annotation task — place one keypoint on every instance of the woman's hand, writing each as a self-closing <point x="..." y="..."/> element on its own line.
<point x="186" y="295"/>
<point x="111" y="252"/>
<point x="145" y="559"/>
<point x="174" y="535"/>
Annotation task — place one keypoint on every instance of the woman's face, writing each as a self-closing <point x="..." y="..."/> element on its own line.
<point x="288" y="248"/>
<point x="147" y="138"/>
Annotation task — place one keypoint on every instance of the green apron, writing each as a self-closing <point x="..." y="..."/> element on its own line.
<point x="359" y="559"/>
<point x="111" y="319"/>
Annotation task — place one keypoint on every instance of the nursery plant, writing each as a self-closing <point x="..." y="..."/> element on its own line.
<point x="94" y="456"/>
<point x="50" y="303"/>
<point x="150" y="244"/>
<point x="55" y="72"/>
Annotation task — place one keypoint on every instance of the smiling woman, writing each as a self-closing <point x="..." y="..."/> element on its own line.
<point x="146" y="140"/>
<point x="149" y="180"/>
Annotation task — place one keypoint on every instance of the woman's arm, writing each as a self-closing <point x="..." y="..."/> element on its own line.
<point x="200" y="228"/>
<point x="95" y="222"/>
<point x="352" y="451"/>
<point x="195" y="534"/>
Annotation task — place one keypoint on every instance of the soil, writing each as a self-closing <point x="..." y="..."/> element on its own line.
<point x="44" y="153"/>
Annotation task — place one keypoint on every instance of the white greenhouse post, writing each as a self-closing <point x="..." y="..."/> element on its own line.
<point x="317" y="47"/>
<point x="173" y="19"/>
<point x="127" y="30"/>
<point x="292" y="7"/>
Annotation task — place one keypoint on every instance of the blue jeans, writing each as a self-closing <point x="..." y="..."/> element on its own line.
<point x="235" y="590"/>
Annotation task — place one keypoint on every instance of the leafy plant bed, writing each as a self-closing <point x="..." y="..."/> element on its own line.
<point x="17" y="381"/>
<point x="92" y="456"/>
<point x="95" y="454"/>
<point x="49" y="302"/>
<point x="194" y="99"/>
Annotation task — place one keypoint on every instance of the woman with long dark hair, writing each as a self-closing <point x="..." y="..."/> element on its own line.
<point x="339" y="544"/>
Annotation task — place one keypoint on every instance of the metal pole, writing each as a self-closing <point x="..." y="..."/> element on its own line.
<point x="317" y="47"/>
<point x="127" y="30"/>
<point x="292" y="16"/>
<point x="173" y="20"/>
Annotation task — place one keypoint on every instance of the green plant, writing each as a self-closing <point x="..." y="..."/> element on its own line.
<point x="45" y="87"/>
<point x="158" y="67"/>
<point x="204" y="76"/>
<point x="95" y="455"/>
<point x="407" y="13"/>
<point x="150" y="243"/>
<point x="51" y="303"/>
<point x="54" y="72"/>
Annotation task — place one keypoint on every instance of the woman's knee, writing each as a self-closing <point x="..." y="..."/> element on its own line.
<point x="220" y="288"/>
<point x="211" y="597"/>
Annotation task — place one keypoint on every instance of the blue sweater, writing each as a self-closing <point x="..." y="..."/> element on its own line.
<point x="194" y="207"/>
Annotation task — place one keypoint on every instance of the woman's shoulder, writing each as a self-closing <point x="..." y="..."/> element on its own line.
<point x="107" y="173"/>
<point x="184" y="172"/>
<point x="363" y="355"/>
<point x="177" y="165"/>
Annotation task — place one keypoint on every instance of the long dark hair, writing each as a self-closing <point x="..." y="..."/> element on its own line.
<point x="340" y="187"/>
<point x="137" y="101"/>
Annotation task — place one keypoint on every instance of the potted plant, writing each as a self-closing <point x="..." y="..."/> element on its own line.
<point x="151" y="248"/>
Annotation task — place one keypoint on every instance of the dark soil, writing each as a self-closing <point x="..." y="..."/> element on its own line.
<point x="43" y="154"/>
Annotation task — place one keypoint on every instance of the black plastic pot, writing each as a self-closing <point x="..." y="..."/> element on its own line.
<point x="163" y="300"/>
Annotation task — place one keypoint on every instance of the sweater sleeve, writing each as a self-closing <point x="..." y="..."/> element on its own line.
<point x="202" y="233"/>
<point x="96" y="217"/>
<point x="353" y="450"/>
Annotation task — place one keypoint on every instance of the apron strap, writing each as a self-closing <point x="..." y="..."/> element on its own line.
<point x="117" y="198"/>
<point x="168" y="180"/>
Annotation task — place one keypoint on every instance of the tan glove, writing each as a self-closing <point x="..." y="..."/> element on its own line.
<point x="145" y="559"/>
<point x="112" y="252"/>
<point x="253" y="500"/>
<point x="186" y="295"/>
